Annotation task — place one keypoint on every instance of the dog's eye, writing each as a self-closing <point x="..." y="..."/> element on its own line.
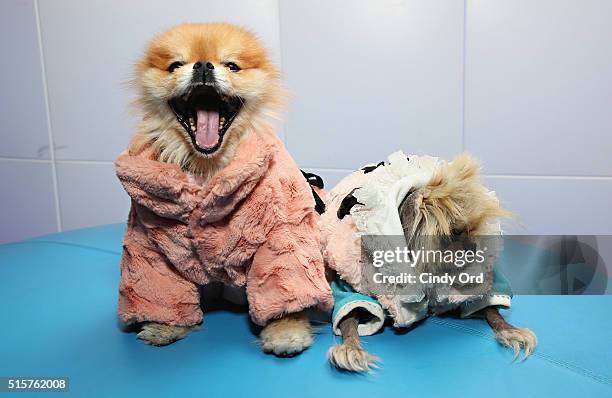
<point x="232" y="66"/>
<point x="175" y="65"/>
<point x="457" y="231"/>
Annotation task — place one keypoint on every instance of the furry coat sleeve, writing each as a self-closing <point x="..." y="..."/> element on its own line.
<point x="287" y="273"/>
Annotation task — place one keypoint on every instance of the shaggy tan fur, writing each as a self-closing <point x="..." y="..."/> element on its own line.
<point x="455" y="201"/>
<point x="287" y="336"/>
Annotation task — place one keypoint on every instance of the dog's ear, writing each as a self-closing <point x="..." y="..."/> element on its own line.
<point x="454" y="201"/>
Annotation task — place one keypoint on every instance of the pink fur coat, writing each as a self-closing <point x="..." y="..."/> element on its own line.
<point x="252" y="225"/>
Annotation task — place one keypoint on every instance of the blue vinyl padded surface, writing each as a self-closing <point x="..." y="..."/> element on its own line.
<point x="58" y="298"/>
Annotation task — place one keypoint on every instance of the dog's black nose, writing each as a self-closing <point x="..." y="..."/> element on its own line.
<point x="204" y="71"/>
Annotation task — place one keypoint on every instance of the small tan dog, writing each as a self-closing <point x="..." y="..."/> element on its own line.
<point x="446" y="199"/>
<point x="201" y="88"/>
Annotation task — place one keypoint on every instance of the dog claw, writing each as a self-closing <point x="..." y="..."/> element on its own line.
<point x="528" y="351"/>
<point x="518" y="339"/>
<point x="516" y="349"/>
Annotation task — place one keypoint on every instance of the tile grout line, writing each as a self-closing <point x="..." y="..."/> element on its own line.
<point x="57" y="161"/>
<point x="280" y="61"/>
<point x="549" y="176"/>
<point x="26" y="160"/>
<point x="84" y="161"/>
<point x="463" y="74"/>
<point x="332" y="169"/>
<point x="493" y="175"/>
<point x="58" y="216"/>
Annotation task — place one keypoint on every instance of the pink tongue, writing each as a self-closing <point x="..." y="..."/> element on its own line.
<point x="207" y="130"/>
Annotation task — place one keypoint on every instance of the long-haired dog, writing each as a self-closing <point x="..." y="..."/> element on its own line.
<point x="451" y="202"/>
<point x="200" y="88"/>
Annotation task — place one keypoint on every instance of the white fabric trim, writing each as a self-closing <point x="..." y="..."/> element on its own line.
<point x="366" y="328"/>
<point x="384" y="191"/>
<point x="468" y="308"/>
<point x="409" y="312"/>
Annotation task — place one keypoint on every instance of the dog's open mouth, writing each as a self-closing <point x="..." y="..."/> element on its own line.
<point x="206" y="116"/>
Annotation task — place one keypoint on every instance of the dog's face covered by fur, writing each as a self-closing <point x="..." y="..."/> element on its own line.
<point x="200" y="87"/>
<point x="454" y="202"/>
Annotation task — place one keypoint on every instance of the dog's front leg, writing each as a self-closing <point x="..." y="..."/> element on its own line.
<point x="508" y="335"/>
<point x="350" y="355"/>
<point x="154" y="295"/>
<point x="287" y="336"/>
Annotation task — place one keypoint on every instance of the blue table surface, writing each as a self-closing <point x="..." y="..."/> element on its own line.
<point x="58" y="296"/>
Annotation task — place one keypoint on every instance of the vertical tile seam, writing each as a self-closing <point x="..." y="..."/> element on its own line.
<point x="58" y="216"/>
<point x="280" y="61"/>
<point x="463" y="75"/>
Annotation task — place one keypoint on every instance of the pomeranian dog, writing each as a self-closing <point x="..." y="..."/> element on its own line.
<point x="450" y="201"/>
<point x="201" y="88"/>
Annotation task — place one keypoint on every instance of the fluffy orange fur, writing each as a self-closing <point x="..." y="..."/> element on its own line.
<point x="219" y="43"/>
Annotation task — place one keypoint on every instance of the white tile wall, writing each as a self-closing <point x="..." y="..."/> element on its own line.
<point x="23" y="118"/>
<point x="539" y="86"/>
<point x="28" y="204"/>
<point x="525" y="85"/>
<point x="555" y="205"/>
<point x="90" y="194"/>
<point x="369" y="76"/>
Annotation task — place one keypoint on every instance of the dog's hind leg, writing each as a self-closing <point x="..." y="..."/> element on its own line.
<point x="508" y="335"/>
<point x="350" y="355"/>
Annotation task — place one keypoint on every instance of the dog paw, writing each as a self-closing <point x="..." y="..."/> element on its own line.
<point x="287" y="336"/>
<point x="518" y="339"/>
<point x="351" y="358"/>
<point x="159" y="334"/>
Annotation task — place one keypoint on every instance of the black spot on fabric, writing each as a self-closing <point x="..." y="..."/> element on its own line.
<point x="319" y="204"/>
<point x="313" y="179"/>
<point x="369" y="169"/>
<point x="347" y="204"/>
